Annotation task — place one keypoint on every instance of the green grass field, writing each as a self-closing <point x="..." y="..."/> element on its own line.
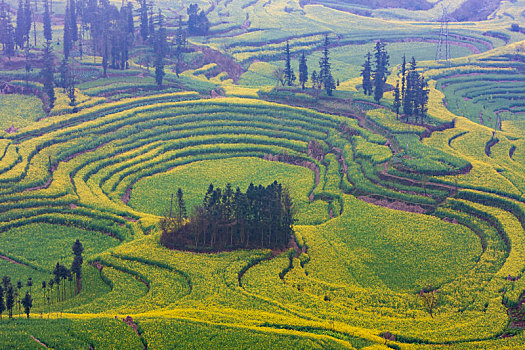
<point x="386" y="211"/>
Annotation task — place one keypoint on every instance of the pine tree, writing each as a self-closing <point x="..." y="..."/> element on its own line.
<point x="397" y="100"/>
<point x="68" y="39"/>
<point x="303" y="71"/>
<point x="366" y="73"/>
<point x="160" y="51"/>
<point x="29" y="284"/>
<point x="27" y="302"/>
<point x="403" y="77"/>
<point x="421" y="98"/>
<point x="289" y="74"/>
<point x="10" y="300"/>
<point x="181" y="205"/>
<point x="48" y="34"/>
<point x="19" y="294"/>
<point x="325" y="72"/>
<point x="131" y="22"/>
<point x="70" y="89"/>
<point x="73" y="20"/>
<point x="76" y="267"/>
<point x="381" y="70"/>
<point x="314" y="79"/>
<point x="198" y="23"/>
<point x="48" y="75"/>
<point x="6" y="281"/>
<point x="27" y="21"/>
<point x="151" y="28"/>
<point x="4" y="23"/>
<point x="2" y="303"/>
<point x="180" y="46"/>
<point x="44" y="289"/>
<point x="9" y="45"/>
<point x="20" y="29"/>
<point x="144" y="25"/>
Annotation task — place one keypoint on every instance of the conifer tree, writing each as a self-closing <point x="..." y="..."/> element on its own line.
<point x="2" y="303"/>
<point x="27" y="302"/>
<point x="160" y="51"/>
<point x="403" y="77"/>
<point x="180" y="46"/>
<point x="325" y="72"/>
<point x="29" y="284"/>
<point x="73" y="23"/>
<point x="289" y="74"/>
<point x="6" y="281"/>
<point x="9" y="45"/>
<point x="48" y="34"/>
<point x="303" y="71"/>
<point x="27" y="21"/>
<point x="381" y="70"/>
<point x="67" y="39"/>
<point x="144" y="25"/>
<point x="19" y="294"/>
<point x="20" y="29"/>
<point x="397" y="99"/>
<point x="198" y="23"/>
<point x="48" y="75"/>
<point x="44" y="289"/>
<point x="10" y="300"/>
<point x="314" y="79"/>
<point x="131" y="22"/>
<point x="5" y="21"/>
<point x="76" y="267"/>
<point x="181" y="205"/>
<point x="366" y="73"/>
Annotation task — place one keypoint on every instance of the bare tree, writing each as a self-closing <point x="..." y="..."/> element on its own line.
<point x="279" y="75"/>
<point x="429" y="297"/>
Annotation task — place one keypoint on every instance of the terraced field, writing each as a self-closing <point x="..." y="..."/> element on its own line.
<point x="385" y="211"/>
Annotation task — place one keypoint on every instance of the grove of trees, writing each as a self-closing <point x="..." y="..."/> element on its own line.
<point x="261" y="217"/>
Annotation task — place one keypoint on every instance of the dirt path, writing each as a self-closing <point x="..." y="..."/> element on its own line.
<point x="38" y="341"/>
<point x="129" y="321"/>
<point x="2" y="257"/>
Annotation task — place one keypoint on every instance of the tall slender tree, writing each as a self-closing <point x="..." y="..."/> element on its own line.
<point x="76" y="266"/>
<point x="381" y="70"/>
<point x="48" y="75"/>
<point x="160" y="50"/>
<point x="48" y="34"/>
<point x="325" y="70"/>
<point x="2" y="302"/>
<point x="68" y="39"/>
<point x="27" y="302"/>
<point x="181" y="207"/>
<point x="10" y="300"/>
<point x="144" y="25"/>
<point x="397" y="99"/>
<point x="19" y="286"/>
<point x="289" y="74"/>
<point x="73" y="22"/>
<point x="303" y="70"/>
<point x="403" y="76"/>
<point x="20" y="29"/>
<point x="366" y="73"/>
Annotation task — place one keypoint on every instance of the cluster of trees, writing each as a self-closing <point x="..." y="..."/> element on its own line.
<point x="374" y="78"/>
<point x="320" y="80"/>
<point x="109" y="30"/>
<point x="10" y="295"/>
<point x="11" y="36"/>
<point x="198" y="23"/>
<point x="261" y="217"/>
<point x="412" y="96"/>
